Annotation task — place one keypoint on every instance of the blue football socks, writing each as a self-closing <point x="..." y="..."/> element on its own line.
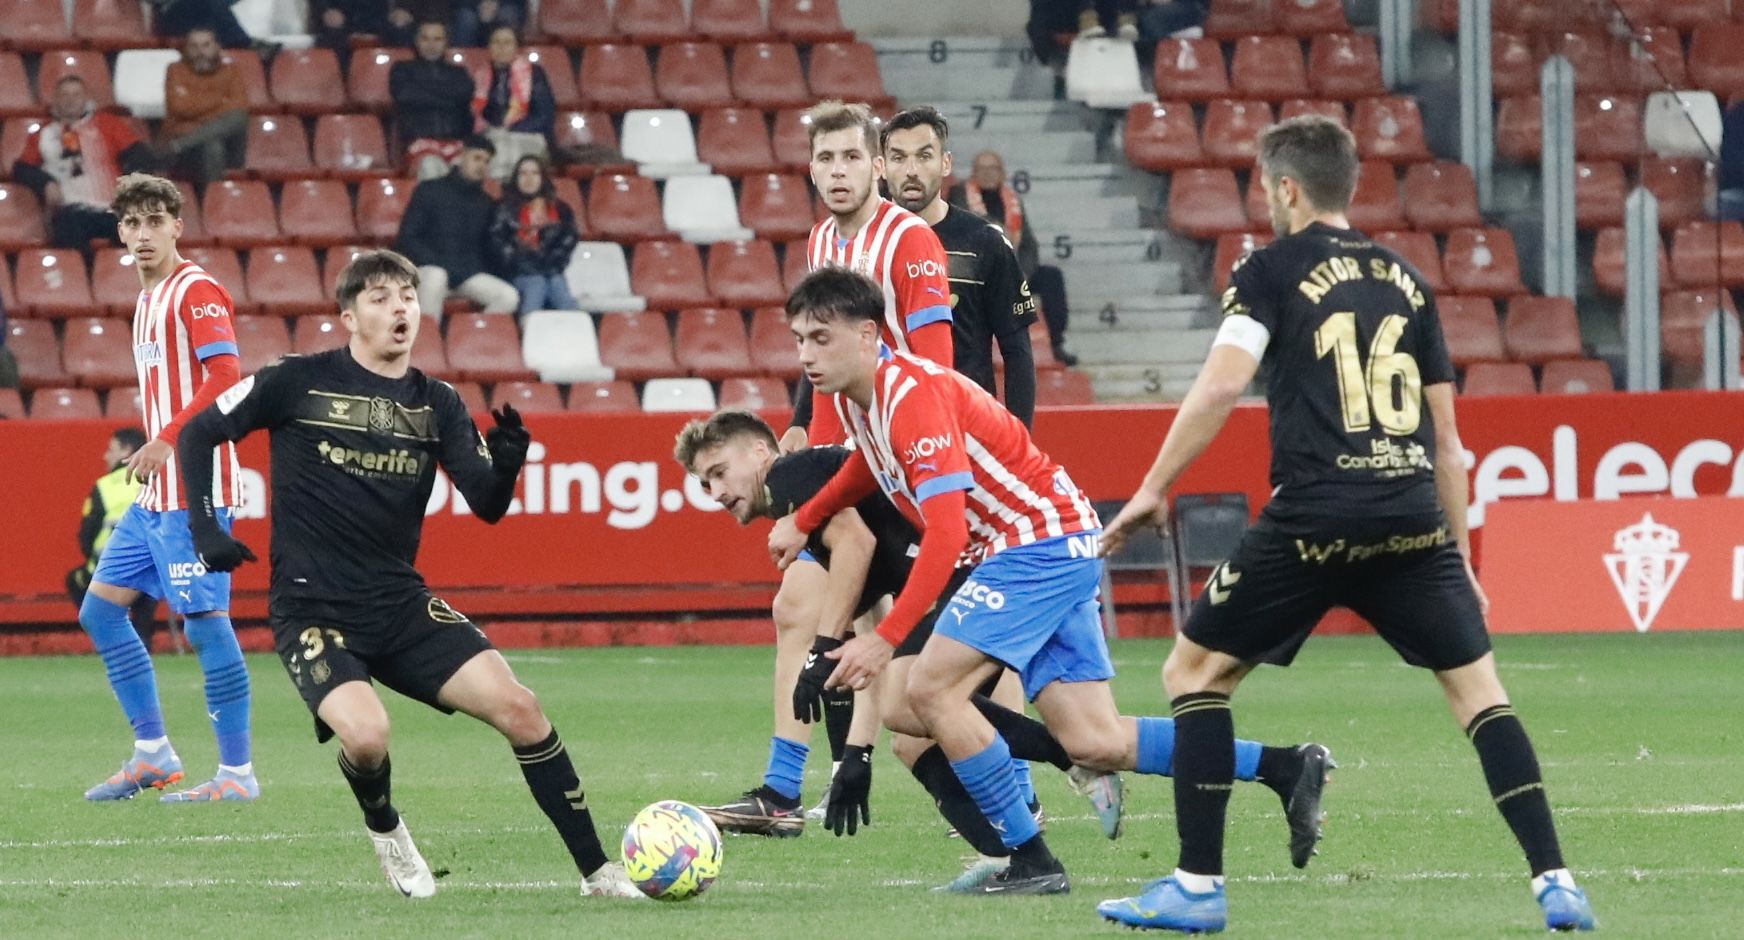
<point x="128" y="663"/>
<point x="1156" y="750"/>
<point x="786" y="767"/>
<point x="988" y="778"/>
<point x="227" y="696"/>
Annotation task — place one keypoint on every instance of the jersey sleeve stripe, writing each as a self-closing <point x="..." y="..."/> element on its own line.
<point x="219" y="348"/>
<point x="937" y="313"/>
<point x="961" y="480"/>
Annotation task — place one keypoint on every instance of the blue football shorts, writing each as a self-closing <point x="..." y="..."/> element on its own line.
<point x="153" y="552"/>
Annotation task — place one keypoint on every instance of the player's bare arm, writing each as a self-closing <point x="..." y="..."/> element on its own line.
<point x="1450" y="476"/>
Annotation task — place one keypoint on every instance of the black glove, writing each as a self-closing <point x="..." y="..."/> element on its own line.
<point x="218" y="551"/>
<point x="808" y="692"/>
<point x="508" y="441"/>
<point x="850" y="791"/>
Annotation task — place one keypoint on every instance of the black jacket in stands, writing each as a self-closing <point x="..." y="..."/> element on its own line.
<point x="513" y="258"/>
<point x="447" y="224"/>
<point x="431" y="100"/>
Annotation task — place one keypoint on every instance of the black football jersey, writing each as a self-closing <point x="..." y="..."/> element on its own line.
<point x="989" y="300"/>
<point x="795" y="478"/>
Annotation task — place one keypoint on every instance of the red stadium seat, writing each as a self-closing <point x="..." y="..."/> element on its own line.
<point x="1374" y="207"/>
<point x="1702" y="254"/>
<point x="1230" y="249"/>
<point x="11" y="405"/>
<point x="794" y="263"/>
<point x="668" y="275"/>
<point x="1608" y="127"/>
<point x="1161" y="136"/>
<point x="1599" y="190"/>
<point x="568" y="192"/>
<point x="98" y="352"/>
<point x="1191" y="70"/>
<point x="1310" y="17"/>
<point x="1056" y="387"/>
<point x="772" y="347"/>
<point x="351" y="147"/>
<point x="728" y="20"/>
<point x="1268" y="67"/>
<point x="53" y="283"/>
<point x="1259" y="213"/>
<point x="1296" y="107"/>
<point x="1610" y="270"/>
<point x="1482" y="261"/>
<point x="1539" y="329"/>
<point x="429" y="356"/>
<point x="849" y="71"/>
<point x="1472" y="331"/>
<point x="1345" y="66"/>
<point x="225" y="268"/>
<point x="753" y="394"/>
<point x="1520" y="128"/>
<point x="1487" y="379"/>
<point x="616" y="397"/>
<point x="65" y="404"/>
<point x="1693" y="15"/>
<point x="1577" y="377"/>
<point x="248" y="65"/>
<point x="791" y="140"/>
<point x="1679" y="185"/>
<point x="1441" y="196"/>
<point x="528" y="397"/>
<point x="21" y="218"/>
<point x="1514" y="65"/>
<point x="1683" y="319"/>
<point x="316" y="213"/>
<point x="114" y="281"/>
<point x="1532" y="16"/>
<point x="775" y="206"/>
<point x="693" y="76"/>
<point x="278" y="148"/>
<point x="1714" y="62"/>
<point x="284" y="281"/>
<point x="469" y="60"/>
<point x="1233" y="19"/>
<point x="745" y="275"/>
<point x="366" y="82"/>
<point x="808" y="21"/>
<point x="110" y="25"/>
<point x="15" y="134"/>
<point x="486" y="347"/>
<point x="559" y="73"/>
<point x="239" y="214"/>
<point x="651" y="22"/>
<point x="262" y="341"/>
<point x="471" y="393"/>
<point x="38" y="353"/>
<point x="16" y="98"/>
<point x="638" y="346"/>
<point x="616" y="78"/>
<point x="88" y="65"/>
<point x="123" y="404"/>
<point x="306" y="81"/>
<point x="380" y="204"/>
<point x="1232" y="131"/>
<point x="1653" y="62"/>
<point x="36" y="25"/>
<point x="1419" y="249"/>
<point x="589" y="130"/>
<point x="735" y="142"/>
<point x="318" y="333"/>
<point x="626" y="208"/>
<point x="1389" y="129"/>
<point x="711" y="344"/>
<point x="1588" y="52"/>
<point x="767" y="75"/>
<point x="577" y="21"/>
<point x="334" y="261"/>
<point x="1204" y="203"/>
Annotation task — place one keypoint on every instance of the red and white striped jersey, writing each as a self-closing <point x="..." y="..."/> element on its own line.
<point x="178" y="324"/>
<point x="930" y="430"/>
<point x="897" y="249"/>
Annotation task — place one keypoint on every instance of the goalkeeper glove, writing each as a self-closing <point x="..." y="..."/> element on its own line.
<point x="808" y="692"/>
<point x="851" y="791"/>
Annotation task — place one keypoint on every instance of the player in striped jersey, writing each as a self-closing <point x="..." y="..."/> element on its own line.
<point x="184" y="347"/>
<point x="967" y="474"/>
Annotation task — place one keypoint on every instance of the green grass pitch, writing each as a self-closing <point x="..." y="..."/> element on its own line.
<point x="1639" y="736"/>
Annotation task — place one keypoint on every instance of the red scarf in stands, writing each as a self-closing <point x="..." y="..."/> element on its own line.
<point x="1013" y="223"/>
<point x="520" y="92"/>
<point x="536" y="213"/>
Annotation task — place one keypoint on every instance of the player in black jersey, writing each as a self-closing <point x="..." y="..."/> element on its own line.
<point x="1363" y="515"/>
<point x="990" y="300"/>
<point x="357" y="435"/>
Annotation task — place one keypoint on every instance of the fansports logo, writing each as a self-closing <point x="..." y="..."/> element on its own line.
<point x="926" y="268"/>
<point x="1645" y="567"/>
<point x="213" y="311"/>
<point x="926" y="447"/>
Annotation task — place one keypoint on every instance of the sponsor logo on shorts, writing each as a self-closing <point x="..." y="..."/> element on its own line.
<point x="186" y="570"/>
<point x="975" y="593"/>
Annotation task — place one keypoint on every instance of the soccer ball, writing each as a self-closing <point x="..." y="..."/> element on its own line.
<point x="672" y="851"/>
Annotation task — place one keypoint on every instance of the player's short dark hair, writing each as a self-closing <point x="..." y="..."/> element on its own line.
<point x="833" y="114"/>
<point x="924" y="116"/>
<point x="717" y="429"/>
<point x="129" y="437"/>
<point x="143" y="192"/>
<point x="1315" y="151"/>
<point x="832" y="292"/>
<point x="374" y="267"/>
<point x="479" y="142"/>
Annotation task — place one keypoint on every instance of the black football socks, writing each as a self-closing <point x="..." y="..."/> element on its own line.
<point x="1516" y="784"/>
<point x="557" y="790"/>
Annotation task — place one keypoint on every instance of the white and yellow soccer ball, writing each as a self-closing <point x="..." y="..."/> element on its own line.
<point x="672" y="851"/>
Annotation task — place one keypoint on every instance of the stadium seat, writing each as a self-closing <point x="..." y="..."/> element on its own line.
<point x="616" y="78"/>
<point x="97" y="352"/>
<point x="767" y="75"/>
<point x="744" y="274"/>
<point x="380" y="204"/>
<point x="1230" y="249"/>
<point x="1297" y="107"/>
<point x="1307" y="18"/>
<point x="735" y="142"/>
<point x="559" y="74"/>
<point x="1471" y="329"/>
<point x="36" y="25"/>
<point x="17" y="98"/>
<point x="1577" y="377"/>
<point x="318" y="333"/>
<point x="1653" y="61"/>
<point x="562" y="347"/>
<point x="846" y="70"/>
<point x="124" y="404"/>
<point x="772" y="347"/>
<point x="115" y="282"/>
<point x="88" y="65"/>
<point x="1539" y="329"/>
<point x="334" y="260"/>
<point x="1534" y="16"/>
<point x="1589" y="54"/>
<point x="808" y="21"/>
<point x="471" y="395"/>
<point x="1702" y="254"/>
<point x="306" y="81"/>
<point x="53" y="283"/>
<point x="1345" y="66"/>
<point x="428" y="354"/>
<point x="366" y="81"/>
<point x="1104" y="73"/>
<point x="1714" y="63"/>
<point x="728" y="20"/>
<point x="1683" y="319"/>
<point x="1441" y="196"/>
<point x="1374" y="207"/>
<point x="711" y="344"/>
<point x="1191" y="70"/>
<point x="285" y="281"/>
<point x="316" y="213"/>
<point x="1610" y="270"/>
<point x="651" y="22"/>
<point x="625" y="208"/>
<point x="248" y="65"/>
<point x="1683" y="123"/>
<point x="1520" y="128"/>
<point x="1161" y="136"/>
<point x="617" y="397"/>
<point x="262" y="341"/>
<point x="794" y="263"/>
<point x="693" y="76"/>
<point x="1057" y="387"/>
<point x="110" y="25"/>
<point x="1599" y="190"/>
<point x="11" y="405"/>
<point x="701" y="209"/>
<point x="589" y="130"/>
<point x="225" y="268"/>
<point x="1259" y="213"/>
<point x="1482" y="261"/>
<point x="64" y="404"/>
<point x="1487" y="379"/>
<point x="1608" y="127"/>
<point x="637" y="346"/>
<point x="351" y="147"/>
<point x="1693" y="15"/>
<point x="678" y="396"/>
<point x="754" y="394"/>
<point x="1204" y="203"/>
<point x="1514" y="65"/>
<point x="1679" y="184"/>
<point x="1419" y="249"/>
<point x="1232" y="132"/>
<point x="139" y="81"/>
<point x="33" y="344"/>
<point x="485" y="347"/>
<point x="528" y="397"/>
<point x="278" y="148"/>
<point x="1389" y="129"/>
<point x="599" y="278"/>
<point x="574" y="22"/>
<point x="1268" y="67"/>
<point x="661" y="143"/>
<point x="239" y="214"/>
<point x="469" y="60"/>
<point x="568" y="192"/>
<point x="1233" y="19"/>
<point x="21" y="221"/>
<point x="776" y="206"/>
<point x="791" y="140"/>
<point x="668" y="275"/>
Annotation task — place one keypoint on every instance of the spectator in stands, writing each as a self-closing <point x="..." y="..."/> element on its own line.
<point x="432" y="103"/>
<point x="512" y="102"/>
<point x="8" y="362"/>
<point x="533" y="236"/>
<point x="988" y="195"/>
<point x="1732" y="164"/>
<point x="477" y="20"/>
<point x="73" y="161"/>
<point x="334" y="22"/>
<point x="175" y="18"/>
<point x="205" y="109"/>
<point x="110" y="498"/>
<point x="445" y="232"/>
<point x="1166" y="19"/>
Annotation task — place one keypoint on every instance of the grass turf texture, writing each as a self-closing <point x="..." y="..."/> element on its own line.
<point x="1641" y="752"/>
